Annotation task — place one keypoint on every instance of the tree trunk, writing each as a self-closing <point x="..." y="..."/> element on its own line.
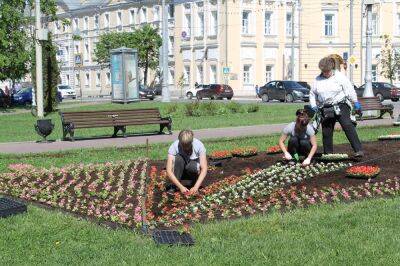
<point x="146" y="67"/>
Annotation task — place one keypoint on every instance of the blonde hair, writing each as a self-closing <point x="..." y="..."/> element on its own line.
<point x="185" y="137"/>
<point x="326" y="64"/>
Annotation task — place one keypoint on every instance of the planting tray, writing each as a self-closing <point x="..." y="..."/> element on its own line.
<point x="244" y="155"/>
<point x="362" y="176"/>
<point x="171" y="237"/>
<point x="10" y="207"/>
<point x="389" y="137"/>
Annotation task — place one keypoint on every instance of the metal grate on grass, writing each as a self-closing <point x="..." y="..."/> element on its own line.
<point x="171" y="237"/>
<point x="10" y="207"/>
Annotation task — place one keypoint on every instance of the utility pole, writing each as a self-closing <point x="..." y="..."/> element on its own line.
<point x="368" y="92"/>
<point x="165" y="89"/>
<point x="292" y="52"/>
<point x="38" y="49"/>
<point x="351" y="40"/>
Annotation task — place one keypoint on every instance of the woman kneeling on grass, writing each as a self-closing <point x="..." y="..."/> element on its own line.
<point x="302" y="139"/>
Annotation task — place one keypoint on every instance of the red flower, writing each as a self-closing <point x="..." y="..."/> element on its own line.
<point x="250" y="200"/>
<point x="217" y="155"/>
<point x="363" y="171"/>
<point x="274" y="149"/>
<point x="247" y="151"/>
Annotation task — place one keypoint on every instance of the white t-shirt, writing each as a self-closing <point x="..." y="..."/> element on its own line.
<point x="290" y="130"/>
<point x="197" y="146"/>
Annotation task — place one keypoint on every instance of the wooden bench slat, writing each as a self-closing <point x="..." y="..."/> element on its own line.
<point x="373" y="103"/>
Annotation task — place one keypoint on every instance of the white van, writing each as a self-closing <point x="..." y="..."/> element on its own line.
<point x="66" y="91"/>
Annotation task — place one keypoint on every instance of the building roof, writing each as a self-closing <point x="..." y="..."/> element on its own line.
<point x="78" y="4"/>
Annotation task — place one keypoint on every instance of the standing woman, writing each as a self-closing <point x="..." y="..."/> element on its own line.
<point x="302" y="140"/>
<point x="335" y="94"/>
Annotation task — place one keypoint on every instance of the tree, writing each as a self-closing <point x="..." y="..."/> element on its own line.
<point x="390" y="59"/>
<point x="51" y="74"/>
<point x="146" y="40"/>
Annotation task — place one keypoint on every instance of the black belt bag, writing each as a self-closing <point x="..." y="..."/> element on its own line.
<point x="328" y="111"/>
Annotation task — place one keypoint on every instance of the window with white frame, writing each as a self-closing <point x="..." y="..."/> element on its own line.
<point x="247" y="74"/>
<point x="66" y="53"/>
<point x="108" y="81"/>
<point x="170" y="45"/>
<point x="398" y="24"/>
<point x="188" y="24"/>
<point x="289" y="18"/>
<point x="156" y="13"/>
<point x="119" y="18"/>
<point x="171" y="76"/>
<point x="171" y="11"/>
<point x="57" y="27"/>
<point x="329" y="25"/>
<point x="246" y="22"/>
<point x="213" y="74"/>
<point x="86" y="23"/>
<point x="87" y="79"/>
<point x="76" y="48"/>
<point x="75" y="24"/>
<point x="67" y="79"/>
<point x="214" y="23"/>
<point x="132" y="17"/>
<point x="375" y="24"/>
<point x="268" y="23"/>
<point x="374" y="73"/>
<point x="200" y="24"/>
<point x="200" y="74"/>
<point x="106" y="20"/>
<point x="77" y="80"/>
<point x="187" y="74"/>
<point x="98" y="79"/>
<point x="96" y="22"/>
<point x="87" y="52"/>
<point x="143" y="15"/>
<point x="268" y="73"/>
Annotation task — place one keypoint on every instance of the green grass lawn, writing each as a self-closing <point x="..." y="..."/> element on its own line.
<point x="361" y="233"/>
<point x="159" y="151"/>
<point x="20" y="127"/>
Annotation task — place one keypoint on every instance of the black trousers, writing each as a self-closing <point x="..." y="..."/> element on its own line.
<point x="186" y="170"/>
<point x="299" y="145"/>
<point x="328" y="125"/>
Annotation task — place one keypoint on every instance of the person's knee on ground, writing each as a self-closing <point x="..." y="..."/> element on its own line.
<point x="293" y="145"/>
<point x="305" y="147"/>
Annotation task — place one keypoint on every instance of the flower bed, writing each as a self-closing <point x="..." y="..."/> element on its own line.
<point x="245" y="152"/>
<point x="108" y="192"/>
<point x="274" y="150"/>
<point x="220" y="155"/>
<point x="363" y="171"/>
<point x="333" y="157"/>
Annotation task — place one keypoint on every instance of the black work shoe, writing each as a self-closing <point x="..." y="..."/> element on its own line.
<point x="359" y="154"/>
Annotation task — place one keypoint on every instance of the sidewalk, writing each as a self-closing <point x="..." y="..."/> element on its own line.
<point x="257" y="130"/>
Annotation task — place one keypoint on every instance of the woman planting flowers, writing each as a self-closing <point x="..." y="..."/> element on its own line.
<point x="302" y="140"/>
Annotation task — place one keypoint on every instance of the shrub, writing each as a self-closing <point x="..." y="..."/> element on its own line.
<point x="208" y="109"/>
<point x="192" y="108"/>
<point x="171" y="108"/>
<point x="234" y="107"/>
<point x="253" y="108"/>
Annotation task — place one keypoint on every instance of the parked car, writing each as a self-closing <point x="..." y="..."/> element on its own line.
<point x="215" y="91"/>
<point x="304" y="84"/>
<point x="192" y="92"/>
<point x="284" y="90"/>
<point x="66" y="91"/>
<point x="4" y="99"/>
<point x="382" y="90"/>
<point x="22" y="97"/>
<point x="146" y="93"/>
<point x="157" y="89"/>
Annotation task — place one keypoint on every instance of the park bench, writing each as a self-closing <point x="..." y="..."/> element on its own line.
<point x="119" y="119"/>
<point x="373" y="104"/>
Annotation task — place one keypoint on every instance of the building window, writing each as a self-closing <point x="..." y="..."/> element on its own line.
<point x="119" y="19"/>
<point x="268" y="23"/>
<point x="214" y="23"/>
<point x="170" y="45"/>
<point x="143" y="15"/>
<point x="75" y="24"/>
<point x="98" y="79"/>
<point x="171" y="76"/>
<point x="213" y="74"/>
<point x="66" y="53"/>
<point x="67" y="79"/>
<point x="87" y="52"/>
<point x="86" y="23"/>
<point x="289" y="18"/>
<point x="77" y="80"/>
<point x="96" y="22"/>
<point x="246" y="74"/>
<point x="268" y="73"/>
<point x="187" y="74"/>
<point x="132" y="17"/>
<point x="106" y="21"/>
<point x="171" y="11"/>
<point x="108" y="78"/>
<point x="76" y="48"/>
<point x="375" y="24"/>
<point x="374" y="73"/>
<point x="56" y="27"/>
<point x="328" y="25"/>
<point x="200" y="74"/>
<point x="156" y="13"/>
<point x="246" y="22"/>
<point x="398" y="24"/>
<point x="200" y="26"/>
<point x="188" y="24"/>
<point x="87" y="80"/>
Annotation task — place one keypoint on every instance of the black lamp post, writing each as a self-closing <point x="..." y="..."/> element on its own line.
<point x="44" y="127"/>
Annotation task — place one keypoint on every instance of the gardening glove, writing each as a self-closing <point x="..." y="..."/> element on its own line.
<point x="357" y="106"/>
<point x="288" y="156"/>
<point x="306" y="162"/>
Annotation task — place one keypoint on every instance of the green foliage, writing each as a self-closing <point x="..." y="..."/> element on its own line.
<point x="234" y="107"/>
<point x="192" y="108"/>
<point x="51" y="74"/>
<point x="171" y="108"/>
<point x="146" y="40"/>
<point x="253" y="108"/>
<point x="390" y="59"/>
